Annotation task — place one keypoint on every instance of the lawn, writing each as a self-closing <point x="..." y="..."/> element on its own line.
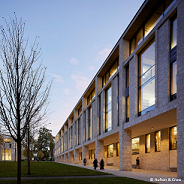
<point x="9" y="169"/>
<point x="116" y="180"/>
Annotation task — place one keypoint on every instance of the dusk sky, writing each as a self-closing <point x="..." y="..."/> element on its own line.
<point x="75" y="36"/>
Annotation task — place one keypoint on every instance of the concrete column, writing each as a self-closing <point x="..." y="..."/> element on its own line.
<point x="99" y="149"/>
<point x="85" y="152"/>
<point x="70" y="157"/>
<point x="76" y="157"/>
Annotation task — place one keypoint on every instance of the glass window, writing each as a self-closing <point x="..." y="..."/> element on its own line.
<point x="117" y="149"/>
<point x="127" y="76"/>
<point x="110" y="150"/>
<point x="174" y="33"/>
<point x="99" y="125"/>
<point x="157" y="141"/>
<point x="147" y="143"/>
<point x="127" y="108"/>
<point x="135" y="146"/>
<point x="89" y="123"/>
<point x="173" y="138"/>
<point x="132" y="45"/>
<point x="174" y="78"/>
<point x="78" y="131"/>
<point x="84" y="127"/>
<point x="139" y="37"/>
<point x="147" y="79"/>
<point x="7" y="140"/>
<point x="80" y="110"/>
<point x="108" y="109"/>
<point x="91" y="96"/>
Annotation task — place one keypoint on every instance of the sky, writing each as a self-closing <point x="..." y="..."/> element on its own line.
<point x="75" y="37"/>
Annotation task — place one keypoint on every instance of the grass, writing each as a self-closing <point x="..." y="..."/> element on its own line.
<point x="116" y="180"/>
<point x="9" y="169"/>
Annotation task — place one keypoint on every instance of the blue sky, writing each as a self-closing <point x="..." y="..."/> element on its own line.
<point x="75" y="36"/>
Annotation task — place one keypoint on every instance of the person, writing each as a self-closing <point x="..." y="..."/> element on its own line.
<point x="95" y="162"/>
<point x="137" y="163"/>
<point x="102" y="164"/>
<point x="84" y="161"/>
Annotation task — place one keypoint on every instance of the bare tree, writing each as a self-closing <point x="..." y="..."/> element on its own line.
<point x="23" y="92"/>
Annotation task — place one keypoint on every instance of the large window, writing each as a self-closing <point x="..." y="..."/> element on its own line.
<point x="127" y="93"/>
<point x="79" y="131"/>
<point x="173" y="138"/>
<point x="99" y="107"/>
<point x="152" y="21"/>
<point x="112" y="70"/>
<point x="117" y="149"/>
<point x="173" y="60"/>
<point x="84" y="127"/>
<point x="157" y="141"/>
<point x="147" y="79"/>
<point x="135" y="146"/>
<point x="110" y="150"/>
<point x="7" y="140"/>
<point x="108" y="109"/>
<point x="6" y="154"/>
<point x="91" y="96"/>
<point x="147" y="143"/>
<point x="80" y="110"/>
<point x="90" y="114"/>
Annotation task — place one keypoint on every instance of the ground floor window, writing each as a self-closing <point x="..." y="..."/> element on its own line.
<point x="157" y="141"/>
<point x="6" y="154"/>
<point x="80" y="155"/>
<point x="135" y="146"/>
<point x="110" y="150"/>
<point x="147" y="143"/>
<point x="173" y="138"/>
<point x="117" y="149"/>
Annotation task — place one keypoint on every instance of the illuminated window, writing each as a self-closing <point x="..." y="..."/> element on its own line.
<point x="79" y="131"/>
<point x="80" y="155"/>
<point x="6" y="154"/>
<point x="157" y="141"/>
<point x="110" y="150"/>
<point x="80" y="110"/>
<point x="127" y="93"/>
<point x="135" y="146"/>
<point x="117" y="149"/>
<point x="173" y="138"/>
<point x="108" y="109"/>
<point x="147" y="143"/>
<point x="99" y="122"/>
<point x="174" y="32"/>
<point x="112" y="70"/>
<point x="91" y="96"/>
<point x="90" y="114"/>
<point x="7" y="140"/>
<point x="147" y="79"/>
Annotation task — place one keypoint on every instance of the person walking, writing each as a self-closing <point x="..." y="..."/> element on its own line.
<point x="95" y="162"/>
<point x="101" y="164"/>
<point x="137" y="163"/>
<point x="84" y="161"/>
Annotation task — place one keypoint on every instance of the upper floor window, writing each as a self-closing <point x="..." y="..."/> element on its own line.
<point x="91" y="96"/>
<point x="173" y="138"/>
<point x="79" y="129"/>
<point x="112" y="70"/>
<point x="151" y="22"/>
<point x="7" y="140"/>
<point x="117" y="149"/>
<point x="110" y="150"/>
<point x="174" y="32"/>
<point x="99" y="122"/>
<point x="147" y="143"/>
<point x="135" y="146"/>
<point x="108" y="109"/>
<point x="79" y="110"/>
<point x="147" y="79"/>
<point x="89" y="129"/>
<point x="157" y="141"/>
<point x="127" y="93"/>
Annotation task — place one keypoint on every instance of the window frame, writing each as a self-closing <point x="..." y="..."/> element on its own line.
<point x="146" y="151"/>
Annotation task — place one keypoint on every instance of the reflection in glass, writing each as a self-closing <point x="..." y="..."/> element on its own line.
<point x="174" y="78"/>
<point x="108" y="109"/>
<point x="135" y="146"/>
<point x="147" y="143"/>
<point x="157" y="141"/>
<point x="173" y="138"/>
<point x="127" y="107"/>
<point x="174" y="33"/>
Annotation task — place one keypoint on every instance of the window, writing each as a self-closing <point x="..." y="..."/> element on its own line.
<point x="117" y="149"/>
<point x="157" y="141"/>
<point x="154" y="18"/>
<point x="174" y="32"/>
<point x="135" y="146"/>
<point x="147" y="79"/>
<point x="92" y="154"/>
<point x="91" y="96"/>
<point x="117" y="100"/>
<point x="71" y="137"/>
<point x="173" y="138"/>
<point x="90" y="115"/>
<point x="6" y="154"/>
<point x="99" y="123"/>
<point x="80" y="110"/>
<point x="147" y="143"/>
<point x="7" y="140"/>
<point x="127" y="93"/>
<point x="112" y="70"/>
<point x="9" y="145"/>
<point x="110" y="150"/>
<point x="62" y="144"/>
<point x="78" y="131"/>
<point x="80" y="155"/>
<point x="84" y="127"/>
<point x="108" y="109"/>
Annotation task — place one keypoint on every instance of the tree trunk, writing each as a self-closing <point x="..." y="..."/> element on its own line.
<point x="28" y="156"/>
<point x="19" y="161"/>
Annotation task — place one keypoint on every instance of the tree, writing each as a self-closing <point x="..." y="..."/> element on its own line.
<point x="30" y="153"/>
<point x="23" y="93"/>
<point x="45" y="141"/>
<point x="40" y="155"/>
<point x="1" y="140"/>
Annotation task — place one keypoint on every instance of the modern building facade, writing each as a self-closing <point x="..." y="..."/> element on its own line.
<point x="134" y="106"/>
<point x="8" y="149"/>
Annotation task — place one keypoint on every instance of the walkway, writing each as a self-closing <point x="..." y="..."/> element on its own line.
<point x="141" y="174"/>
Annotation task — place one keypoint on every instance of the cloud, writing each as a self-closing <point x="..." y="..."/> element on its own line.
<point x="81" y="82"/>
<point x="74" y="61"/>
<point x="102" y="55"/>
<point x="66" y="91"/>
<point x="91" y="67"/>
<point x="57" y="78"/>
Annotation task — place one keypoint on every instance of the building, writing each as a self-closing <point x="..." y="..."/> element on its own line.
<point x="8" y="149"/>
<point x="134" y="105"/>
